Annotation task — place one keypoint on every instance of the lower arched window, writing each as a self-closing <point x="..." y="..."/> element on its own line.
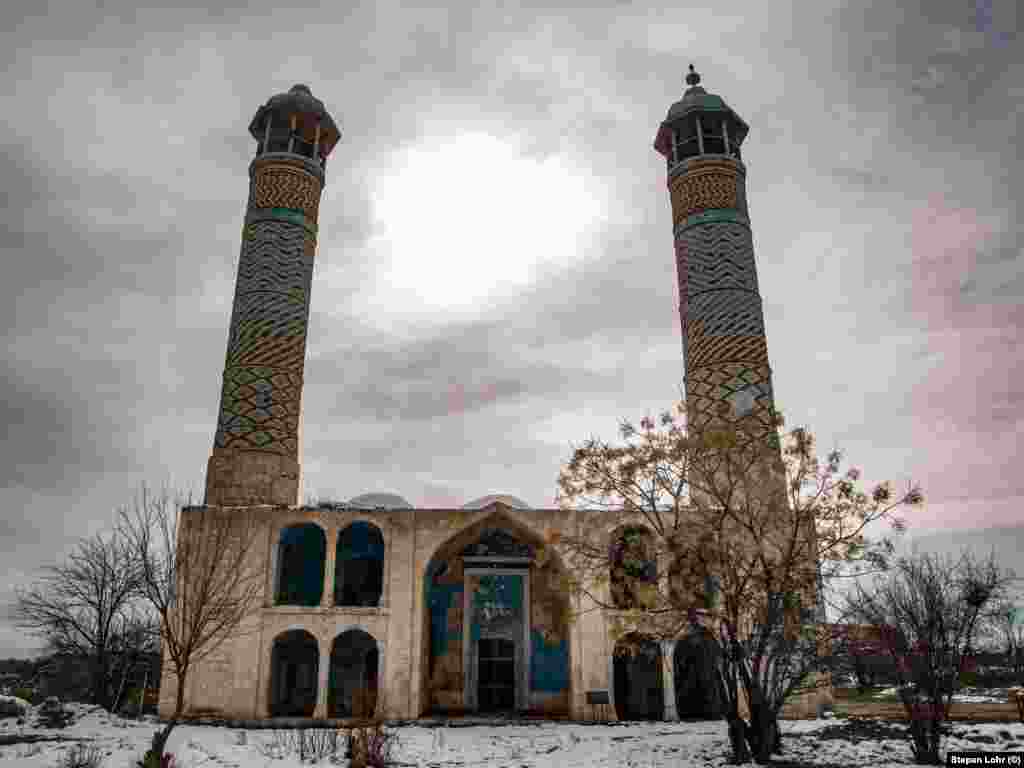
<point x="354" y="675"/>
<point x="294" y="674"/>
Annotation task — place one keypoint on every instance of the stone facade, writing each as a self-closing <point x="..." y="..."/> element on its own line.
<point x="418" y="625"/>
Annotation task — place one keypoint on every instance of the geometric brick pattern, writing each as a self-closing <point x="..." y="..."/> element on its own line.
<point x="717" y="255"/>
<point x="706" y="184"/>
<point x="284" y="183"/>
<point x="261" y="394"/>
<point x="260" y="410"/>
<point x="725" y="352"/>
<point x="277" y="256"/>
<point x="725" y="326"/>
<point x="711" y="391"/>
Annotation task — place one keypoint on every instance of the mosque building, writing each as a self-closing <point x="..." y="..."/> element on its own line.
<point x="379" y="606"/>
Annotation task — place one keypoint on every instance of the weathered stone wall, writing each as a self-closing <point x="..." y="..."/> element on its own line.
<point x="420" y="664"/>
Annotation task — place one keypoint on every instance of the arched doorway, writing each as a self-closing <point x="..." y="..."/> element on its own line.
<point x="294" y="667"/>
<point x="300" y="565"/>
<point x="638" y="685"/>
<point x="359" y="566"/>
<point x="695" y="663"/>
<point x="517" y="623"/>
<point x="353" y="679"/>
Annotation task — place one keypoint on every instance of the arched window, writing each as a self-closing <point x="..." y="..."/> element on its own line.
<point x="294" y="670"/>
<point x="353" y="679"/>
<point x="300" y="565"/>
<point x="359" y="566"/>
<point x="633" y="568"/>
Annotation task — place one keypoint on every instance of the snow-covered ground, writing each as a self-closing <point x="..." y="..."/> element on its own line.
<point x="827" y="742"/>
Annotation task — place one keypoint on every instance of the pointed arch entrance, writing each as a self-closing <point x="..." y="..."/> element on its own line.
<point x="495" y="628"/>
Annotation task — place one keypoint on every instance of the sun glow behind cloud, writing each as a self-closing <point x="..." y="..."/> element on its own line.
<point x="470" y="218"/>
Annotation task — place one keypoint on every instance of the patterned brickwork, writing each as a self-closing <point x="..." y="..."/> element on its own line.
<point x="263" y="372"/>
<point x="260" y="410"/>
<point x="724" y="326"/>
<point x="276" y="256"/>
<point x="285" y="183"/>
<point x="706" y="184"/>
<point x="718" y="255"/>
<point x="721" y="317"/>
<point x="712" y="390"/>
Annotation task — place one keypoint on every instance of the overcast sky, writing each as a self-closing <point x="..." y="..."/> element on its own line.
<point x="495" y="274"/>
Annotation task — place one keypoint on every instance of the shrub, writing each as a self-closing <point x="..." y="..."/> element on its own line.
<point x="370" y="747"/>
<point x="82" y="756"/>
<point x="309" y="745"/>
<point x="152" y="760"/>
<point x="53" y="714"/>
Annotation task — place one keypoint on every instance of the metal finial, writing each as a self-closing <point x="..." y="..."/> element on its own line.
<point x="300" y="87"/>
<point x="693" y="78"/>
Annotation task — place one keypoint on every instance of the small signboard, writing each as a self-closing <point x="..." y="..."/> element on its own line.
<point x="599" y="699"/>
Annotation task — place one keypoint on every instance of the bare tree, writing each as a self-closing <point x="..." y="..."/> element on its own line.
<point x="136" y="644"/>
<point x="1007" y="621"/>
<point x="930" y="610"/>
<point x="196" y="571"/>
<point x="749" y="530"/>
<point x="77" y="606"/>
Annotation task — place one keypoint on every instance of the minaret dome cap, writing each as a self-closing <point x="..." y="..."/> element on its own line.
<point x="697" y="100"/>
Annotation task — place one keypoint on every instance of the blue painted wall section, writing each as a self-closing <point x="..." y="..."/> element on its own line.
<point x="549" y="664"/>
<point x="440" y="598"/>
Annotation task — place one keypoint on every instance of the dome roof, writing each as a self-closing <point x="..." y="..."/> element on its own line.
<point x="374" y="500"/>
<point x="504" y="498"/>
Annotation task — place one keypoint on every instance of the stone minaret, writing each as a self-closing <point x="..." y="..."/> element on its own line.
<point x="728" y="379"/>
<point x="724" y="348"/>
<point x="255" y="457"/>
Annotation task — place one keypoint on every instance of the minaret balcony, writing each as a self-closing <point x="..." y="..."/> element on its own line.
<point x="291" y="145"/>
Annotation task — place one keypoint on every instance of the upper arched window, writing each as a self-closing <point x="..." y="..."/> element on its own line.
<point x="633" y="567"/>
<point x="359" y="566"/>
<point x="300" y="565"/>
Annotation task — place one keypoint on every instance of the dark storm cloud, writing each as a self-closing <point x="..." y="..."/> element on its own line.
<point x="43" y="428"/>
